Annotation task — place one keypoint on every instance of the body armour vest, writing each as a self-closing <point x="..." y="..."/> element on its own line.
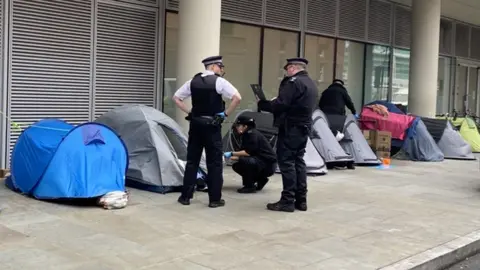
<point x="205" y="99"/>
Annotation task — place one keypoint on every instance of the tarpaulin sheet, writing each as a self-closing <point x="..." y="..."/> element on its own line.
<point x="397" y="124"/>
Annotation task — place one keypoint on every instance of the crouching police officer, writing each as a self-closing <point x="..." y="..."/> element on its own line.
<point x="292" y="110"/>
<point x="206" y="116"/>
<point x="256" y="161"/>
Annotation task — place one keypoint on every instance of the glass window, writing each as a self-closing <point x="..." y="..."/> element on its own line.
<point x="320" y="51"/>
<point x="401" y="69"/>
<point x="240" y="48"/>
<point x="277" y="47"/>
<point x="350" y="64"/>
<point x="170" y="78"/>
<point x="472" y="90"/>
<point x="443" y="85"/>
<point x="377" y="63"/>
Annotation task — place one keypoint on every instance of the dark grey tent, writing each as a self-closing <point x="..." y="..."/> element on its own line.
<point x="450" y="142"/>
<point x="419" y="144"/>
<point x="264" y="122"/>
<point x="326" y="143"/>
<point x="157" y="147"/>
<point x="356" y="145"/>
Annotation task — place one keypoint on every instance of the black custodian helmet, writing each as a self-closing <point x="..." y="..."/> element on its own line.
<point x="245" y="120"/>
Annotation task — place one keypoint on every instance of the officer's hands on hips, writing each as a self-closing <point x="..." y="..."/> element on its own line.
<point x="222" y="114"/>
<point x="227" y="154"/>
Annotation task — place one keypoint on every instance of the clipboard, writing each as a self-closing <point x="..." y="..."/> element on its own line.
<point x="258" y="91"/>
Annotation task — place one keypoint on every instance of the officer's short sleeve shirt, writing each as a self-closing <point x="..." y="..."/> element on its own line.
<point x="223" y="87"/>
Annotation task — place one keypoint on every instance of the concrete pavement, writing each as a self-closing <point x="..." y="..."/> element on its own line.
<point x="363" y="219"/>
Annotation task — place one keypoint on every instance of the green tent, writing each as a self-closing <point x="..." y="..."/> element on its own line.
<point x="468" y="129"/>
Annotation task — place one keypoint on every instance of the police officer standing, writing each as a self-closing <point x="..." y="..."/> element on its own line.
<point x="292" y="110"/>
<point x="208" y="112"/>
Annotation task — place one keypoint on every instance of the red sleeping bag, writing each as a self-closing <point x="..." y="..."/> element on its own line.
<point x="397" y="124"/>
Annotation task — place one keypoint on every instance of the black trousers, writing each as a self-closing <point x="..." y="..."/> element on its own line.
<point x="206" y="137"/>
<point x="291" y="145"/>
<point x="253" y="170"/>
<point x="336" y="122"/>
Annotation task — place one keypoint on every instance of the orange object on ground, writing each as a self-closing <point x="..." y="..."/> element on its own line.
<point x="386" y="161"/>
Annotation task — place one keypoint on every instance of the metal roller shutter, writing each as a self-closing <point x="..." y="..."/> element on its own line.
<point x="148" y="2"/>
<point x="243" y="10"/>
<point x="403" y="21"/>
<point x="462" y="37"/>
<point x="125" y="56"/>
<point x="50" y="62"/>
<point x="353" y="17"/>
<point x="379" y="22"/>
<point x="172" y="4"/>
<point x="283" y="13"/>
<point x="321" y="17"/>
<point x="475" y="43"/>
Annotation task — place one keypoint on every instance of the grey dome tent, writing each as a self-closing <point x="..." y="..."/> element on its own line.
<point x="157" y="147"/>
<point x="326" y="143"/>
<point x="450" y="142"/>
<point x="356" y="145"/>
<point x="419" y="144"/>
<point x="264" y="123"/>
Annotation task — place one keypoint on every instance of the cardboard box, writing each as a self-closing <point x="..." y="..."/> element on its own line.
<point x="383" y="141"/>
<point x="4" y="173"/>
<point x="378" y="140"/>
<point x="368" y="136"/>
<point x="383" y="154"/>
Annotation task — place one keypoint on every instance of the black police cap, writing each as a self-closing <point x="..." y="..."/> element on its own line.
<point x="217" y="60"/>
<point x="245" y="120"/>
<point x="294" y="61"/>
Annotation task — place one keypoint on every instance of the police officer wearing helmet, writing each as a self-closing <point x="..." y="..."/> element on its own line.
<point x="292" y="110"/>
<point x="256" y="160"/>
<point x="208" y="112"/>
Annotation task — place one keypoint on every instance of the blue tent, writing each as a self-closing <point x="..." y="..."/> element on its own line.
<point x="419" y="145"/>
<point x="53" y="159"/>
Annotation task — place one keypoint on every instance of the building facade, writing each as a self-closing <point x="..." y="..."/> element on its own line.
<point x="76" y="59"/>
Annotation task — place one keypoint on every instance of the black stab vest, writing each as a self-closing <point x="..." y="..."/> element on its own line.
<point x="205" y="99"/>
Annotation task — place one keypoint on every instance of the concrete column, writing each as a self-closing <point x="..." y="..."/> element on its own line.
<point x="198" y="38"/>
<point x="422" y="95"/>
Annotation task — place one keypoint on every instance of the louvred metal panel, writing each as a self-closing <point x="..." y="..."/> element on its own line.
<point x="172" y="4"/>
<point x="243" y="10"/>
<point x="403" y="22"/>
<point x="50" y="62"/>
<point x="379" y="22"/>
<point x="353" y="15"/>
<point x="321" y="16"/>
<point x="125" y="56"/>
<point x="283" y="13"/>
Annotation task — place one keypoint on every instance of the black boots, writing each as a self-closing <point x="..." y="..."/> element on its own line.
<point x="184" y="200"/>
<point x="261" y="184"/>
<point x="215" y="204"/>
<point x="301" y="206"/>
<point x="281" y="206"/>
<point x="247" y="190"/>
<point x="351" y="166"/>
<point x="253" y="189"/>
<point x="187" y="195"/>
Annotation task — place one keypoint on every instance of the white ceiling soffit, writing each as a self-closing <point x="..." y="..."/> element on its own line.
<point x="462" y="10"/>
